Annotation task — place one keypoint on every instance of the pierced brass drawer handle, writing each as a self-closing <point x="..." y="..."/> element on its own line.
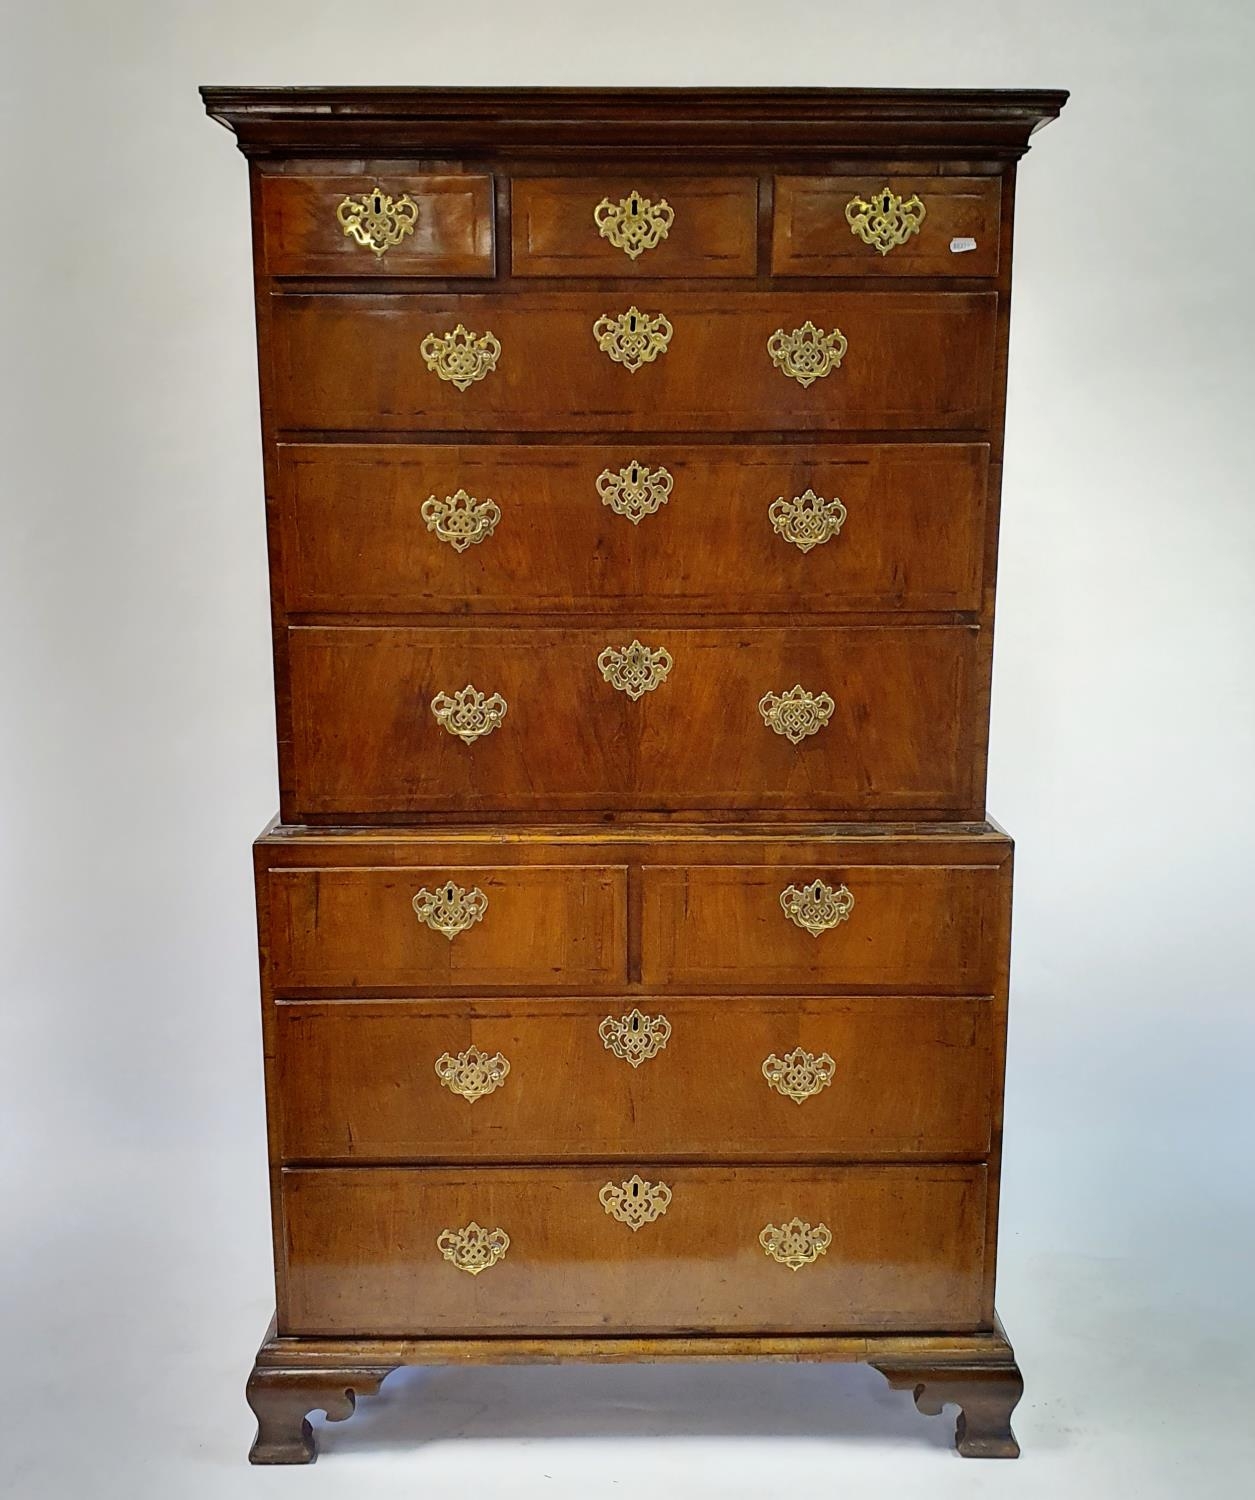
<point x="635" y="1202"/>
<point x="885" y="220"/>
<point x="461" y="357"/>
<point x="473" y="1249"/>
<point x="808" y="520"/>
<point x="634" y="224"/>
<point x="460" y="519"/>
<point x="633" y="339"/>
<point x="816" y="907"/>
<point x="472" y="1073"/>
<point x="797" y="1243"/>
<point x="450" y="909"/>
<point x="634" y="491"/>
<point x="799" y="1075"/>
<point x="797" y="713"/>
<point x="635" y="1037"/>
<point x="376" y="220"/>
<point x="469" y="714"/>
<point x="808" y="353"/>
<point x="636" y="669"/>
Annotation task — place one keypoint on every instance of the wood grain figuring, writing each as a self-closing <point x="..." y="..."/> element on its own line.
<point x="811" y="235"/>
<point x="543" y="925"/>
<point x="919" y="926"/>
<point x="715" y="231"/>
<point x="453" y="234"/>
<point x="915" y="361"/>
<point x="357" y="1081"/>
<point x="366" y="742"/>
<point x="361" y="1246"/>
<point x="354" y="540"/>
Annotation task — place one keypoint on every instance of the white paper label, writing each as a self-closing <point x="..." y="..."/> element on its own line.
<point x="958" y="246"/>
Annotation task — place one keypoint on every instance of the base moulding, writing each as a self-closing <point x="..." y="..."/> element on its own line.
<point x="295" y="1376"/>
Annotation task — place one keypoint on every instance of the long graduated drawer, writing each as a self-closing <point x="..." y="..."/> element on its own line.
<point x="390" y="721"/>
<point x="858" y="1077"/>
<point x="542" y="1250"/>
<point x="907" y="360"/>
<point x="396" y="528"/>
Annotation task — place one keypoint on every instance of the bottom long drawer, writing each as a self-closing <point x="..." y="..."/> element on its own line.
<point x="632" y="1248"/>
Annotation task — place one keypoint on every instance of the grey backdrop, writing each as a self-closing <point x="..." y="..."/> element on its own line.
<point x="137" y="761"/>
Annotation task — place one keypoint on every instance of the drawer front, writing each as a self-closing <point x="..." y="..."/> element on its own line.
<point x="392" y="1251"/>
<point x="391" y="225"/>
<point x="911" y="360"/>
<point x="859" y="1077"/>
<point x="867" y="718"/>
<point x="910" y="927"/>
<point x="634" y="227"/>
<point x="442" y="527"/>
<point x="349" y="929"/>
<point x="847" y="226"/>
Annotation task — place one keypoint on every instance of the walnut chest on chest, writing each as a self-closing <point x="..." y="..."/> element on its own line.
<point x="633" y="941"/>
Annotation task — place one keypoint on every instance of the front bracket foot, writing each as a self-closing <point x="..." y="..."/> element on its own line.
<point x="282" y="1400"/>
<point x="986" y="1395"/>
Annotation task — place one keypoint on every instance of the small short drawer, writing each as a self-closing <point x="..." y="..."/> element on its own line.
<point x="634" y="227"/>
<point x="906" y="927"/>
<point x="858" y="1077"/>
<point x="563" y="927"/>
<point x="387" y="225"/>
<point x="886" y="226"/>
<point x="634" y="1247"/>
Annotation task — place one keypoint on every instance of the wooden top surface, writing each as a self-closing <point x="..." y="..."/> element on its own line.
<point x="740" y="122"/>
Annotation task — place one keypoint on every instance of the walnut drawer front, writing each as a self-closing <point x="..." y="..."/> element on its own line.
<point x="394" y="528"/>
<point x="375" y="1251"/>
<point x="913" y="360"/>
<point x="884" y="720"/>
<point x="436" y="928"/>
<point x="634" y="227"/>
<point x="910" y="927"/>
<point x="844" y="226"/>
<point x="392" y="225"/>
<point x="726" y="1078"/>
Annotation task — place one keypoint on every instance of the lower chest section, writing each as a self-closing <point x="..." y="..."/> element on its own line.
<point x="544" y="1082"/>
